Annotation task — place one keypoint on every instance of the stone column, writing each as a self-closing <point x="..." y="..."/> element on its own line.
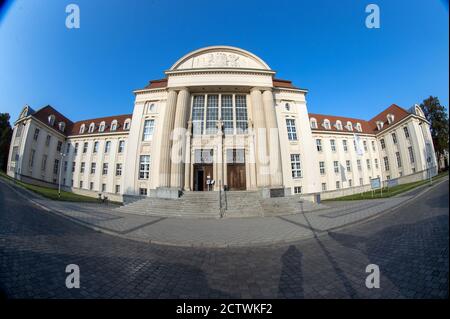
<point x="220" y="160"/>
<point x="259" y="121"/>
<point x="273" y="142"/>
<point x="179" y="139"/>
<point x="164" y="165"/>
<point x="187" y="161"/>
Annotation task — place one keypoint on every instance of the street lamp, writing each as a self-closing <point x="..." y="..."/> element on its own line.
<point x="60" y="169"/>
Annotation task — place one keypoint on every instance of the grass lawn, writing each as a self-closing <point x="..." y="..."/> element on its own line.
<point x="387" y="192"/>
<point x="50" y="192"/>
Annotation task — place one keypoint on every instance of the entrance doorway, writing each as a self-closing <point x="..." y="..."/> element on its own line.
<point x="203" y="173"/>
<point x="236" y="179"/>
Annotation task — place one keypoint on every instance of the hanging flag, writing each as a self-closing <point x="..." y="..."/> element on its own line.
<point x="358" y="147"/>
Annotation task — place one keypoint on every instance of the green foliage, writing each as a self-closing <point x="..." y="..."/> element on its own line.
<point x="5" y="139"/>
<point x="437" y="115"/>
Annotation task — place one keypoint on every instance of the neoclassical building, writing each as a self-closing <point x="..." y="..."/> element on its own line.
<point x="220" y="119"/>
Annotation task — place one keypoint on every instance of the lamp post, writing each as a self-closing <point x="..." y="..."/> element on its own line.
<point x="59" y="179"/>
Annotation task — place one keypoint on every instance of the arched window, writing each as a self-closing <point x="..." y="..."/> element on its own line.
<point x="390" y="118"/>
<point x="358" y="127"/>
<point x="339" y="125"/>
<point x="51" y="120"/>
<point x="62" y="126"/>
<point x="82" y="128"/>
<point x="150" y="106"/>
<point x="101" y="127"/>
<point x="349" y="126"/>
<point x="326" y="124"/>
<point x="114" y="125"/>
<point x="379" y="125"/>
<point x="91" y="127"/>
<point x="313" y="122"/>
<point x="126" y="124"/>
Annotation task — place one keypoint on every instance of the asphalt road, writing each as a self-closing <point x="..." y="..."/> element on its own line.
<point x="409" y="245"/>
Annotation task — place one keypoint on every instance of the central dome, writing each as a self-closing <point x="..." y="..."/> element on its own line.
<point x="220" y="57"/>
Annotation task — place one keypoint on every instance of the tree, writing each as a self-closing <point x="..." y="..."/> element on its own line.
<point x="437" y="115"/>
<point x="5" y="139"/>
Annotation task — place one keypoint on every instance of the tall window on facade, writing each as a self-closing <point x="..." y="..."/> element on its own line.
<point x="83" y="164"/>
<point x="386" y="163"/>
<point x="144" y="166"/>
<point x="47" y="141"/>
<point x="291" y="130"/>
<point x="121" y="146"/>
<point x="19" y="130"/>
<point x="365" y="146"/>
<point x="338" y="184"/>
<point x="114" y="125"/>
<point x="333" y="145"/>
<point x="59" y="146"/>
<point x="394" y="138"/>
<point x="241" y="114"/>
<point x="212" y="114"/>
<point x="107" y="146"/>
<point x="149" y="126"/>
<point x="95" y="150"/>
<point x="405" y="129"/>
<point x="399" y="160"/>
<point x="105" y="169"/>
<point x="376" y="163"/>
<point x="85" y="147"/>
<point x="319" y="145"/>
<point x="411" y="154"/>
<point x="119" y="169"/>
<point x="358" y="163"/>
<point x="349" y="166"/>
<point x="75" y="150"/>
<point x="93" y="167"/>
<point x="117" y="189"/>
<point x="91" y="128"/>
<point x="36" y="134"/>
<point x="65" y="166"/>
<point x="322" y="168"/>
<point x="368" y="163"/>
<point x="226" y="109"/>
<point x="344" y="144"/>
<point x="198" y="114"/>
<point x="336" y="166"/>
<point x="324" y="186"/>
<point x="383" y="145"/>
<point x="373" y="146"/>
<point x="73" y="167"/>
<point x="44" y="162"/>
<point x="55" y="166"/>
<point x="33" y="152"/>
<point x="295" y="166"/>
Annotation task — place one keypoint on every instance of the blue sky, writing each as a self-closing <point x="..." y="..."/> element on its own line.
<point x="323" y="46"/>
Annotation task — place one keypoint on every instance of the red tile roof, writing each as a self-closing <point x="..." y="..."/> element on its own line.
<point x="75" y="129"/>
<point x="43" y="114"/>
<point x="368" y="127"/>
<point x="156" y="84"/>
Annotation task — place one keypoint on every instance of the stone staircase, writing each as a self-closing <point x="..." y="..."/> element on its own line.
<point x="207" y="205"/>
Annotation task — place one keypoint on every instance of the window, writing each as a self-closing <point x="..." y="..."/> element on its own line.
<point x="339" y="125"/>
<point x="117" y="189"/>
<point x="91" y="185"/>
<point x="67" y="148"/>
<point x="379" y="125"/>
<point x="47" y="140"/>
<point x="121" y="146"/>
<point x="19" y="130"/>
<point x="75" y="151"/>
<point x="51" y="120"/>
<point x="388" y="177"/>
<point x="107" y="146"/>
<point x="119" y="169"/>
<point x="91" y="128"/>
<point x="295" y="166"/>
<point x="399" y="160"/>
<point x="358" y="127"/>
<point x="394" y="138"/>
<point x="212" y="114"/>
<point x="365" y="146"/>
<point x="313" y="123"/>
<point x="297" y="190"/>
<point x="368" y="163"/>
<point x="105" y="169"/>
<point x="227" y="113"/>
<point x="405" y="129"/>
<point x="198" y="114"/>
<point x="61" y="126"/>
<point x="85" y="147"/>
<point x="93" y="167"/>
<point x="31" y="162"/>
<point x="144" y="167"/>
<point x="59" y="146"/>
<point x="373" y="146"/>
<point x="241" y="114"/>
<point x="319" y="145"/>
<point x="66" y="164"/>
<point x="83" y="164"/>
<point x="338" y="185"/>
<point x="36" y="134"/>
<point x="81" y="184"/>
<point x="349" y="126"/>
<point x="411" y="154"/>
<point x="390" y="118"/>
<point x="55" y="166"/>
<point x="361" y="181"/>
<point x="103" y="187"/>
<point x="82" y="128"/>
<point x="287" y="106"/>
<point x="358" y="163"/>
<point x="143" y="191"/>
<point x="126" y="125"/>
<point x="114" y="125"/>
<point x="322" y="168"/>
<point x="350" y="183"/>
<point x="386" y="163"/>
<point x="150" y="106"/>
<point x="44" y="162"/>
<point x="95" y="147"/>
<point x="336" y="166"/>
<point x="333" y="145"/>
<point x="383" y="145"/>
<point x="148" y="130"/>
<point x="376" y="163"/>
<point x="344" y="144"/>
<point x="326" y="124"/>
<point x="324" y="186"/>
<point x="349" y="166"/>
<point x="101" y="127"/>
<point x="292" y="132"/>
<point x="73" y="167"/>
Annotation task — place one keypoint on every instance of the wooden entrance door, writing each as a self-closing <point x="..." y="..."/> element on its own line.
<point x="236" y="176"/>
<point x="201" y="173"/>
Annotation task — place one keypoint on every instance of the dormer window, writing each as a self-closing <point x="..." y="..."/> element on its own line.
<point x="101" y="128"/>
<point x="114" y="125"/>
<point x="339" y="125"/>
<point x="390" y="118"/>
<point x="51" y="120"/>
<point x="358" y="127"/>
<point x="349" y="126"/>
<point x="313" y="123"/>
<point x="61" y="126"/>
<point x="326" y="124"/>
<point x="82" y="128"/>
<point x="379" y="125"/>
<point x="126" y="125"/>
<point x="91" y="128"/>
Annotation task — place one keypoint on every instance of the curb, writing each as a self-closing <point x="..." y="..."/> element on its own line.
<point x="316" y="233"/>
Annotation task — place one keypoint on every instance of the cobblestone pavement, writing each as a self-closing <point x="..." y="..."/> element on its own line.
<point x="410" y="246"/>
<point x="228" y="232"/>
